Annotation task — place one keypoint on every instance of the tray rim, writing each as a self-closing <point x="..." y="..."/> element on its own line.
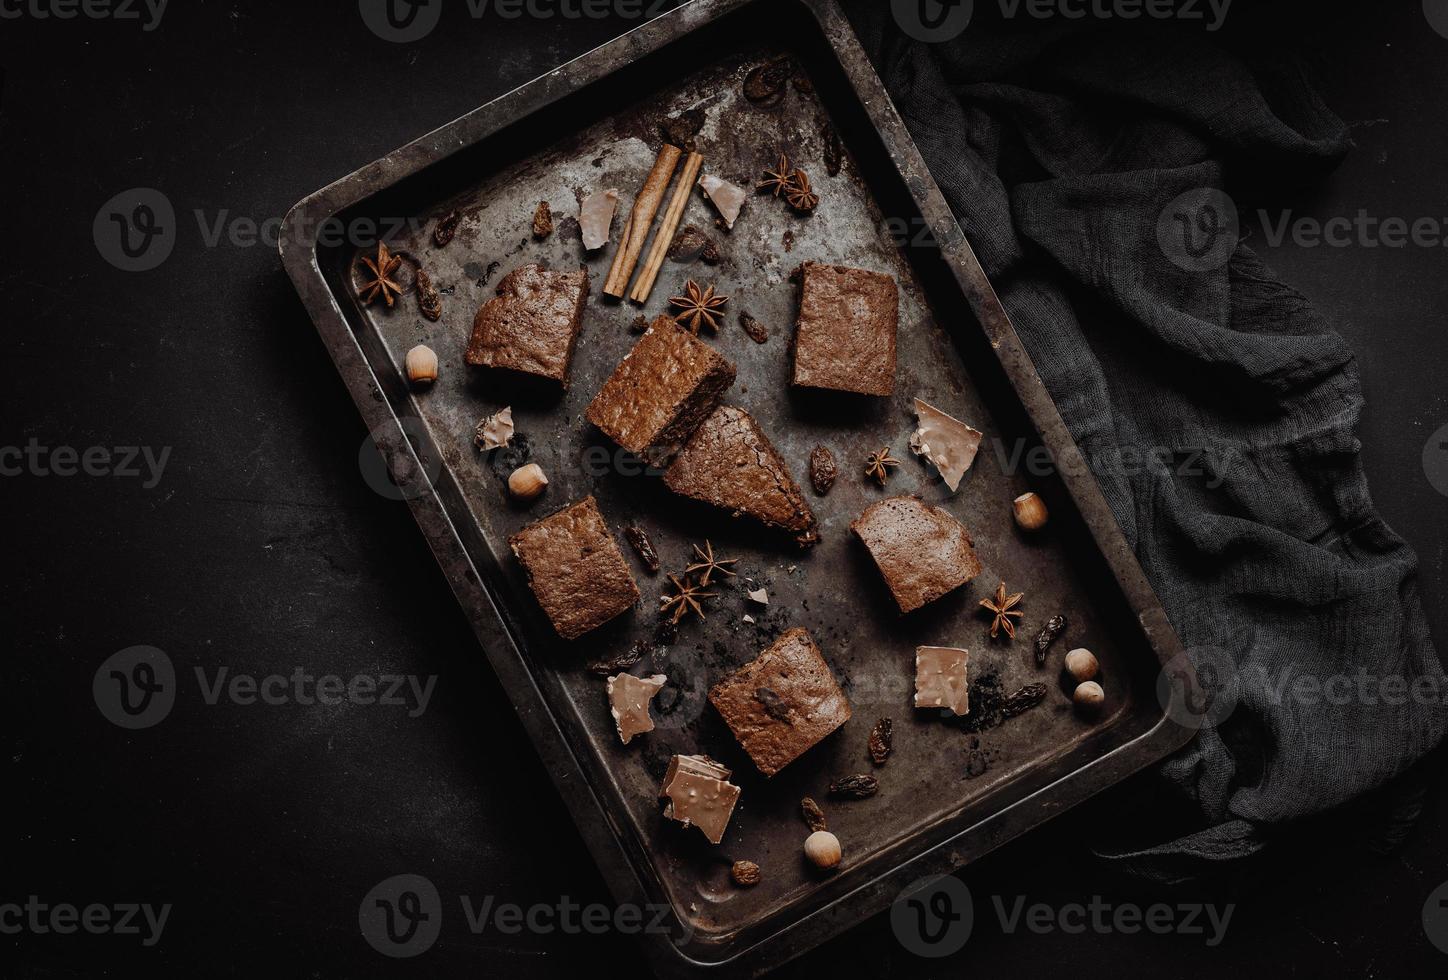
<point x="298" y="247"/>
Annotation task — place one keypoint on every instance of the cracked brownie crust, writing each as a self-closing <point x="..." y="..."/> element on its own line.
<point x="661" y="391"/>
<point x="532" y="324"/>
<point x="730" y="463"/>
<point x="575" y="568"/>
<point x="922" y="551"/>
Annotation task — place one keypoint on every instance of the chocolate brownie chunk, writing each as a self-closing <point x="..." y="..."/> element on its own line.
<point x="730" y="463"/>
<point x="661" y="391"/>
<point x="575" y="569"/>
<point x="846" y="335"/>
<point x="922" y="551"/>
<point x="532" y="324"/>
<point x="783" y="703"/>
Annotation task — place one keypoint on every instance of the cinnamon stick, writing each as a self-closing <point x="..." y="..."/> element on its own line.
<point x="670" y="225"/>
<point x="640" y="220"/>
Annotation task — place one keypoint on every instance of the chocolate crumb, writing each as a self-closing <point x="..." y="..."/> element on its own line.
<point x="788" y="240"/>
<point x="834" y="150"/>
<point x="773" y="704"/>
<point x="765" y="84"/>
<point x="757" y="331"/>
<point x="690" y="244"/>
<point x="680" y="130"/>
<point x="640" y="324"/>
<point x="666" y="633"/>
<point x="543" y="220"/>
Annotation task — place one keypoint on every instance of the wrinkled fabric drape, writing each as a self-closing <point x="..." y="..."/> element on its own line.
<point x="1059" y="152"/>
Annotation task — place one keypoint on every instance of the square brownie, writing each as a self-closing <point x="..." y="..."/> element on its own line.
<point x="845" y="340"/>
<point x="783" y="703"/>
<point x="532" y="324"/>
<point x="661" y="391"/>
<point x="730" y="463"/>
<point x="941" y="680"/>
<point x="922" y="551"/>
<point x="575" y="569"/>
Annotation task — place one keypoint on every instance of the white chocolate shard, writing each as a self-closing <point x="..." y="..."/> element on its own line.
<point x="595" y="217"/>
<point x="948" y="443"/>
<point x="728" y="198"/>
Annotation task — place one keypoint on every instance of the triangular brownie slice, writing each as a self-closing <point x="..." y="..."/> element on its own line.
<point x="730" y="463"/>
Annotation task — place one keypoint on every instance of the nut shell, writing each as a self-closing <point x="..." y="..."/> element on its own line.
<point x="1089" y="697"/>
<point x="1031" y="513"/>
<point x="1082" y="665"/>
<point x="823" y="849"/>
<point x="527" y="483"/>
<point x="421" y="365"/>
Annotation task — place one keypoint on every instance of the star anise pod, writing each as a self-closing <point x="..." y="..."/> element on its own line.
<point x="382" y="283"/>
<point x="779" y="179"/>
<point x="878" y="465"/>
<point x="799" y="194"/>
<point x="1004" y="607"/>
<point x="709" y="565"/>
<point x="687" y="601"/>
<point x="698" y="308"/>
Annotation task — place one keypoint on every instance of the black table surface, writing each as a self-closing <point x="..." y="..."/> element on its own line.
<point x="262" y="550"/>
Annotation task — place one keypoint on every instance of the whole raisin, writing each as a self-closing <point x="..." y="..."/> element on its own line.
<point x="745" y="873"/>
<point x="814" y="817"/>
<point x="1054" y="627"/>
<point x="882" y="738"/>
<point x="822" y="470"/>
<point x="854" y="787"/>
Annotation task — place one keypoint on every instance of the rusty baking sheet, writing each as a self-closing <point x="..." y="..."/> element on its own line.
<point x="946" y="796"/>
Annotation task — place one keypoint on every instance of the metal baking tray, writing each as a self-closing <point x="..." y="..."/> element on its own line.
<point x="947" y="797"/>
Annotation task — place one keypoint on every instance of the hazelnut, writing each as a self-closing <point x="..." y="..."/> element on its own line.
<point x="1031" y="513"/>
<point x="527" y="482"/>
<point x="823" y="849"/>
<point x="1081" y="665"/>
<point x="1089" y="697"/>
<point x="422" y="365"/>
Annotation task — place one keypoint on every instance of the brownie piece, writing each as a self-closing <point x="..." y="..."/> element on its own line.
<point x="532" y="324"/>
<point x="730" y="463"/>
<point x="922" y="551"/>
<point x="846" y="335"/>
<point x="661" y="391"/>
<point x="575" y="569"/>
<point x="783" y="703"/>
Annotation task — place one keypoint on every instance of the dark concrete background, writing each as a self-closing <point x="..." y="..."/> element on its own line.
<point x="262" y="549"/>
